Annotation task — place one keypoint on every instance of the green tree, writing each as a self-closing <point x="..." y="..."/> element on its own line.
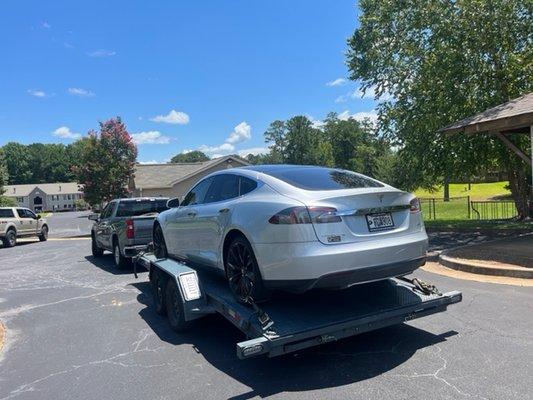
<point x="440" y="62"/>
<point x="18" y="160"/>
<point x="4" y="177"/>
<point x="190" y="157"/>
<point x="106" y="163"/>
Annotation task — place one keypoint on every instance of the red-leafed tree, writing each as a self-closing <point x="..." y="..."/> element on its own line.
<point x="106" y="162"/>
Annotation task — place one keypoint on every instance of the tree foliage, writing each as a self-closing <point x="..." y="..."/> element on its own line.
<point x="3" y="172"/>
<point x="442" y="61"/>
<point x="190" y="157"/>
<point x="107" y="162"/>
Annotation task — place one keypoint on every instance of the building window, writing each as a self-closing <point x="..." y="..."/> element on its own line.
<point x="20" y="199"/>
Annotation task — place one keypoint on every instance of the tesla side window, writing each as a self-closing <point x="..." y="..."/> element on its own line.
<point x="224" y="187"/>
<point x="197" y="193"/>
<point x="323" y="178"/>
<point x="247" y="185"/>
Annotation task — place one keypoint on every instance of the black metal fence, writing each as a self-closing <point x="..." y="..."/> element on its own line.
<point x="461" y="208"/>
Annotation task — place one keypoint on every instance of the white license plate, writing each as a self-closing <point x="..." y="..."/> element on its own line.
<point x="379" y="222"/>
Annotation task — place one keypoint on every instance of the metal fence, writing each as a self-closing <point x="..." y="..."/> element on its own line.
<point x="461" y="208"/>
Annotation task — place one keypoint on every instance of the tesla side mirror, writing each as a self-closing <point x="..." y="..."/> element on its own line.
<point x="37" y="216"/>
<point x="94" y="217"/>
<point x="173" y="203"/>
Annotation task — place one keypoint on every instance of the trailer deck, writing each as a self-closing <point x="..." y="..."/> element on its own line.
<point x="291" y="322"/>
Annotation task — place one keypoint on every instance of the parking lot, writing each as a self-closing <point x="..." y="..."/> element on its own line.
<point x="78" y="328"/>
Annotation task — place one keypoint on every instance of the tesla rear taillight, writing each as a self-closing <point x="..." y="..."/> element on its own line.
<point x="305" y="215"/>
<point x="130" y="229"/>
<point x="415" y="205"/>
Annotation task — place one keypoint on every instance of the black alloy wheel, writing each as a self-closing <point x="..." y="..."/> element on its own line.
<point x="160" y="247"/>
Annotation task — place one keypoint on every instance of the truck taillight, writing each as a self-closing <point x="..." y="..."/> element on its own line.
<point x="305" y="215"/>
<point x="415" y="205"/>
<point x="130" y="229"/>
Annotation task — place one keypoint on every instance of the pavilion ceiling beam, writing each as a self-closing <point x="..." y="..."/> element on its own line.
<point x="514" y="148"/>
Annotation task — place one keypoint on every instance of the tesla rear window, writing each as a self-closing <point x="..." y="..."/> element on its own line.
<point x="134" y="208"/>
<point x="323" y="178"/>
<point x="6" y="214"/>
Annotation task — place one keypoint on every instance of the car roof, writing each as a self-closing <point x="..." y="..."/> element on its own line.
<point x="266" y="168"/>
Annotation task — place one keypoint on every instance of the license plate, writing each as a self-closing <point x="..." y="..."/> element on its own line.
<point x="379" y="222"/>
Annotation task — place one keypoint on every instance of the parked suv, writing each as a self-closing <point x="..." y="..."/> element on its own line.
<point x="124" y="227"/>
<point x="18" y="222"/>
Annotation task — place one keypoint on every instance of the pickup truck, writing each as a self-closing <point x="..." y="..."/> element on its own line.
<point x="18" y="222"/>
<point x="124" y="227"/>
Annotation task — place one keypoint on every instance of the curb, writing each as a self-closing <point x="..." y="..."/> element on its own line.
<point x="475" y="268"/>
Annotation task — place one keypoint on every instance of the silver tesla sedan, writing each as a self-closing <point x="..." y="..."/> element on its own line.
<point x="294" y="228"/>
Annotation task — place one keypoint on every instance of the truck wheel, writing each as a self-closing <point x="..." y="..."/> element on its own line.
<point x="243" y="273"/>
<point x="160" y="247"/>
<point x="97" y="251"/>
<point x="174" y="304"/>
<point x="121" y="262"/>
<point x="158" y="294"/>
<point x="10" y="239"/>
<point x="43" y="237"/>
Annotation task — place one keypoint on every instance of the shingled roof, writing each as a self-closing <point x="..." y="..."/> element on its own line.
<point x="48" y="188"/>
<point x="155" y="176"/>
<point x="515" y="116"/>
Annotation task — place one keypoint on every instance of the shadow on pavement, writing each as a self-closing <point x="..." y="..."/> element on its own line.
<point x="330" y="365"/>
<point x="107" y="264"/>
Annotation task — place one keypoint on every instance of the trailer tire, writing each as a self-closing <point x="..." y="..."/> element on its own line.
<point x="158" y="293"/>
<point x="174" y="305"/>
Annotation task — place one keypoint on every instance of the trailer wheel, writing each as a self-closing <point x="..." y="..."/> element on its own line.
<point x="158" y="294"/>
<point x="174" y="303"/>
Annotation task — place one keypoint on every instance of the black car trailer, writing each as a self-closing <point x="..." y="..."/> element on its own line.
<point x="289" y="323"/>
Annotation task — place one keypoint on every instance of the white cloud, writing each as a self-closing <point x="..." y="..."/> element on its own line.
<point x="150" y="137"/>
<point x="80" y="92"/>
<point x="149" y="162"/>
<point x="65" y="133"/>
<point x="337" y="82"/>
<point x="253" y="150"/>
<point x="217" y="151"/>
<point x="240" y="133"/>
<point x="359" y="116"/>
<point x="101" y="53"/>
<point x="36" y="93"/>
<point x="173" y="117"/>
<point x="46" y="25"/>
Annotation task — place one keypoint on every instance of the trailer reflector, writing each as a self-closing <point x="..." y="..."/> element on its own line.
<point x="189" y="286"/>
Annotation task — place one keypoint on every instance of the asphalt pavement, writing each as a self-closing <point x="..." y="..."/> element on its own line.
<point x="69" y="224"/>
<point x="78" y="328"/>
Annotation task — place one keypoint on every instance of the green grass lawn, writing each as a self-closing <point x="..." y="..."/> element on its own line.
<point x="479" y="191"/>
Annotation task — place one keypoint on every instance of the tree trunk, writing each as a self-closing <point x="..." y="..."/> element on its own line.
<point x="446" y="188"/>
<point x="519" y="189"/>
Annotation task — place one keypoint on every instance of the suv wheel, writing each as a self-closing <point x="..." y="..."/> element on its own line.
<point x="97" y="251"/>
<point x="10" y="239"/>
<point x="43" y="237"/>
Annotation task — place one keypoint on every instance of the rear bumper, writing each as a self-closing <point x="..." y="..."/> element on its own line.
<point x="313" y="264"/>
<point x="132" y="251"/>
<point x="347" y="278"/>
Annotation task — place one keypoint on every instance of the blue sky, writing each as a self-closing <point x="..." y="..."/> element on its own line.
<point x="207" y="75"/>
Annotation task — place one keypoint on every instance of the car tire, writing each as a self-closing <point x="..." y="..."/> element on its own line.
<point x="10" y="240"/>
<point x="160" y="246"/>
<point x="97" y="251"/>
<point x="43" y="237"/>
<point x="242" y="272"/>
<point x="158" y="294"/>
<point x="174" y="306"/>
<point x="121" y="262"/>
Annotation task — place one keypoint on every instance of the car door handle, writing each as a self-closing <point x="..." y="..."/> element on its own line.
<point x="191" y="214"/>
<point x="223" y="210"/>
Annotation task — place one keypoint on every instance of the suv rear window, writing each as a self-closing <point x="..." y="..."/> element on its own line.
<point x="132" y="208"/>
<point x="6" y="214"/>
<point x="309" y="178"/>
